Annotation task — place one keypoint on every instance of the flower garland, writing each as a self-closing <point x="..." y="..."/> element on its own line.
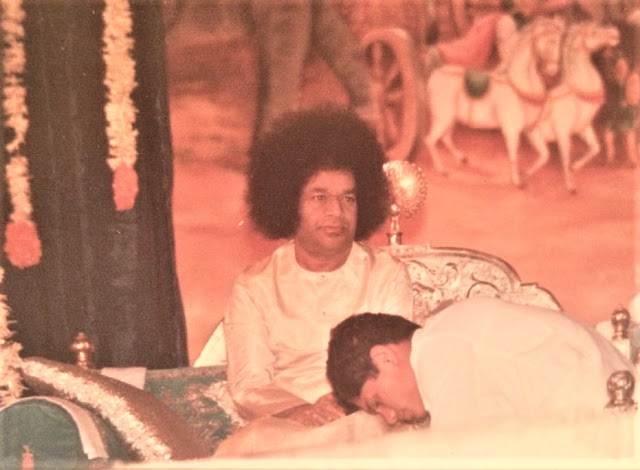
<point x="119" y="110"/>
<point x="10" y="362"/>
<point x="22" y="244"/>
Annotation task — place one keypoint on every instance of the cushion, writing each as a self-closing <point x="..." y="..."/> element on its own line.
<point x="214" y="352"/>
<point x="27" y="426"/>
<point x="150" y="428"/>
<point x="198" y="395"/>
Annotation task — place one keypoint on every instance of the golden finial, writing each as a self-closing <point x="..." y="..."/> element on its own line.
<point x="83" y="349"/>
<point x="620" y="319"/>
<point x="408" y="189"/>
<point x="27" y="458"/>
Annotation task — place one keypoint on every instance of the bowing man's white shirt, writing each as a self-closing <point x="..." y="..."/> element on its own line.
<point x="279" y="317"/>
<point x="484" y="358"/>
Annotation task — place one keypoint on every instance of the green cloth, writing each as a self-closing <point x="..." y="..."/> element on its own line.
<point x="187" y="391"/>
<point x="476" y="82"/>
<point x="51" y="434"/>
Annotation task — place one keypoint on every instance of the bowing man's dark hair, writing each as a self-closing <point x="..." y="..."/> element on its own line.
<point x="349" y="363"/>
<point x="302" y="143"/>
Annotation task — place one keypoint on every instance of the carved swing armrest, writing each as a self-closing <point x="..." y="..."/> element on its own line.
<point x="445" y="274"/>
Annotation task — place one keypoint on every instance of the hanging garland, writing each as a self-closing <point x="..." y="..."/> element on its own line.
<point x="10" y="363"/>
<point x="119" y="109"/>
<point x="22" y="244"/>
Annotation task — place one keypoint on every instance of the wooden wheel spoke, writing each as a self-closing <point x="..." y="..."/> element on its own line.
<point x="377" y="67"/>
<point x="395" y="97"/>
<point x="392" y="129"/>
<point x="391" y="59"/>
<point x="392" y="75"/>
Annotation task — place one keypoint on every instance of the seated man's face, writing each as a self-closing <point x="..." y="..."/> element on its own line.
<point x="328" y="212"/>
<point x="393" y="394"/>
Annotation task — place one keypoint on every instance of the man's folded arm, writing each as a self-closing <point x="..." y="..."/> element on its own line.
<point x="250" y="361"/>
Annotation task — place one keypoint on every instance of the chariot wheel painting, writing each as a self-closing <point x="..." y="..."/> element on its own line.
<point x="397" y="90"/>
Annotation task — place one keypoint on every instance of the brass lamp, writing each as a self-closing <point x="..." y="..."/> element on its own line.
<point x="408" y="192"/>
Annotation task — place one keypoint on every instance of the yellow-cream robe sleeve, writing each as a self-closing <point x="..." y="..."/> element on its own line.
<point x="279" y="317"/>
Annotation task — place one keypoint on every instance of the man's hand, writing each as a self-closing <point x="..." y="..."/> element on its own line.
<point x="323" y="411"/>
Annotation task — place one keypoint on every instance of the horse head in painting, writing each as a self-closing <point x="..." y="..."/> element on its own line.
<point x="572" y="104"/>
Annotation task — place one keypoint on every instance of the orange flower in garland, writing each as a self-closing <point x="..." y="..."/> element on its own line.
<point x="120" y="110"/>
<point x="22" y="244"/>
<point x="125" y="187"/>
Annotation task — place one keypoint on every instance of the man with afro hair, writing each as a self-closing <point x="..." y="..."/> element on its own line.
<point x="315" y="180"/>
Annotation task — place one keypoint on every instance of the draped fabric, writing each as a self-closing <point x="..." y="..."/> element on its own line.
<point x="110" y="274"/>
<point x="474" y="48"/>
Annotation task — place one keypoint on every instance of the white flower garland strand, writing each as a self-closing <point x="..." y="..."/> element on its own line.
<point x="120" y="81"/>
<point x="15" y="107"/>
<point x="10" y="362"/>
<point x="15" y="111"/>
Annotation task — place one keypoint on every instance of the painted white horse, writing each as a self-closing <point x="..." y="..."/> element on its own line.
<point x="573" y="103"/>
<point x="513" y="100"/>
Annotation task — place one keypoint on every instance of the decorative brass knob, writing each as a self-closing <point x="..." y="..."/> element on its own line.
<point x="83" y="349"/>
<point x="395" y="235"/>
<point x="620" y="319"/>
<point x="27" y="458"/>
<point x="620" y="389"/>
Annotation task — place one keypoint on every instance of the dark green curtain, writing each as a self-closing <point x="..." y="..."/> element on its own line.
<point x="110" y="274"/>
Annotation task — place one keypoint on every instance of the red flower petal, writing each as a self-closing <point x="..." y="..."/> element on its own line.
<point x="22" y="245"/>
